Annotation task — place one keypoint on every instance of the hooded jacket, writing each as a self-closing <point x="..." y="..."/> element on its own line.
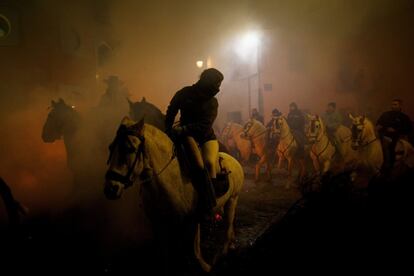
<point x="198" y="110"/>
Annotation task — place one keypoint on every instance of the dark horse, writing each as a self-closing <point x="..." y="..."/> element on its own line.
<point x="150" y="112"/>
<point x="63" y="122"/>
<point x="154" y="116"/>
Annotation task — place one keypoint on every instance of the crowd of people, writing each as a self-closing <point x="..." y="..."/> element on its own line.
<point x="391" y="126"/>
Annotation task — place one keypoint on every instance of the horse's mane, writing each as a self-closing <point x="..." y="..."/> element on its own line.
<point x="147" y="106"/>
<point x="148" y="111"/>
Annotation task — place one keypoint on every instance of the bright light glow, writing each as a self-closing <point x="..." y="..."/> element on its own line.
<point x="200" y="63"/>
<point x="247" y="46"/>
<point x="209" y="62"/>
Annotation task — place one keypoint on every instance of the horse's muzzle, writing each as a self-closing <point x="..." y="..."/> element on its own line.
<point x="113" y="189"/>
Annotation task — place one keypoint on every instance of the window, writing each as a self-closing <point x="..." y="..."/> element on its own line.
<point x="4" y="26"/>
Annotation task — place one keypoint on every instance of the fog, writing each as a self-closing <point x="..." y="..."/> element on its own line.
<point x="358" y="53"/>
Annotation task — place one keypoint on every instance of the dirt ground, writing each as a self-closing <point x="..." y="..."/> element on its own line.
<point x="46" y="242"/>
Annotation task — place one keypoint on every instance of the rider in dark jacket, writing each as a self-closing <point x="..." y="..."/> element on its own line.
<point x="393" y="124"/>
<point x="296" y="121"/>
<point x="198" y="110"/>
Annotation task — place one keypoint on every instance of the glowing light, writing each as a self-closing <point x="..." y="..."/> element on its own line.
<point x="218" y="217"/>
<point x="199" y="63"/>
<point x="247" y="45"/>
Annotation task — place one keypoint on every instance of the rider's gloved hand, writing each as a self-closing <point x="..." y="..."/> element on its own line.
<point x="177" y="132"/>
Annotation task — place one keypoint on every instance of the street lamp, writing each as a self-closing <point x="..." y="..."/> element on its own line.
<point x="247" y="48"/>
<point x="200" y="64"/>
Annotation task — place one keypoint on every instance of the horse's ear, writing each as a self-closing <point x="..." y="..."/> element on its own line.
<point x="139" y="126"/>
<point x="351" y="117"/>
<point x="130" y="102"/>
<point x="61" y="100"/>
<point x="143" y="100"/>
<point x="125" y="120"/>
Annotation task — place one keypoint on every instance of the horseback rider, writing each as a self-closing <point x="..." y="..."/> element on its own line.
<point x="391" y="126"/>
<point x="296" y="121"/>
<point x="198" y="110"/>
<point x="257" y="116"/>
<point x="272" y="138"/>
<point x="115" y="94"/>
<point x="332" y="119"/>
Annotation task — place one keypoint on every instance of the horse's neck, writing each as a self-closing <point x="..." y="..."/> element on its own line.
<point x="321" y="133"/>
<point x="321" y="140"/>
<point x="258" y="136"/>
<point x="286" y="133"/>
<point x="369" y="133"/>
<point x="236" y="129"/>
<point x="174" y="191"/>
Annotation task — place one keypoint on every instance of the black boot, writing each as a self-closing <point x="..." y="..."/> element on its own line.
<point x="221" y="184"/>
<point x="206" y="194"/>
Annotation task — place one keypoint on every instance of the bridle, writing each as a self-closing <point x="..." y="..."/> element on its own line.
<point x="122" y="135"/>
<point x="277" y="128"/>
<point x="312" y="127"/>
<point x="357" y="135"/>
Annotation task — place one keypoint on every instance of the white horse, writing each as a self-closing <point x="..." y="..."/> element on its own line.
<point x="343" y="139"/>
<point x="255" y="131"/>
<point x="231" y="137"/>
<point x="287" y="147"/>
<point x="404" y="153"/>
<point x="321" y="151"/>
<point x="366" y="144"/>
<point x="169" y="198"/>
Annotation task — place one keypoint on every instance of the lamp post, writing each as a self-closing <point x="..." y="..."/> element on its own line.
<point x="248" y="50"/>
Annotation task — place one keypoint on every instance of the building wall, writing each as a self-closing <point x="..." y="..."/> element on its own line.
<point x="55" y="50"/>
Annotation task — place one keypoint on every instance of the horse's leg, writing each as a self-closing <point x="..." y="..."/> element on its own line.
<point x="197" y="251"/>
<point x="326" y="166"/>
<point x="279" y="162"/>
<point x="301" y="168"/>
<point x="316" y="164"/>
<point x="230" y="212"/>
<point x="269" y="167"/>
<point x="290" y="166"/>
<point x="259" y="165"/>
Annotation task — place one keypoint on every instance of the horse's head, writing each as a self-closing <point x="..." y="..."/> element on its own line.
<point x="279" y="123"/>
<point x="226" y="132"/>
<point x="125" y="161"/>
<point x="358" y="128"/>
<point x="314" y="128"/>
<point x="57" y="121"/>
<point x="248" y="129"/>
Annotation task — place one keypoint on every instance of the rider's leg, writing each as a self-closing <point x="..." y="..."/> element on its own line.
<point x="193" y="152"/>
<point x="210" y="151"/>
<point x="201" y="178"/>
